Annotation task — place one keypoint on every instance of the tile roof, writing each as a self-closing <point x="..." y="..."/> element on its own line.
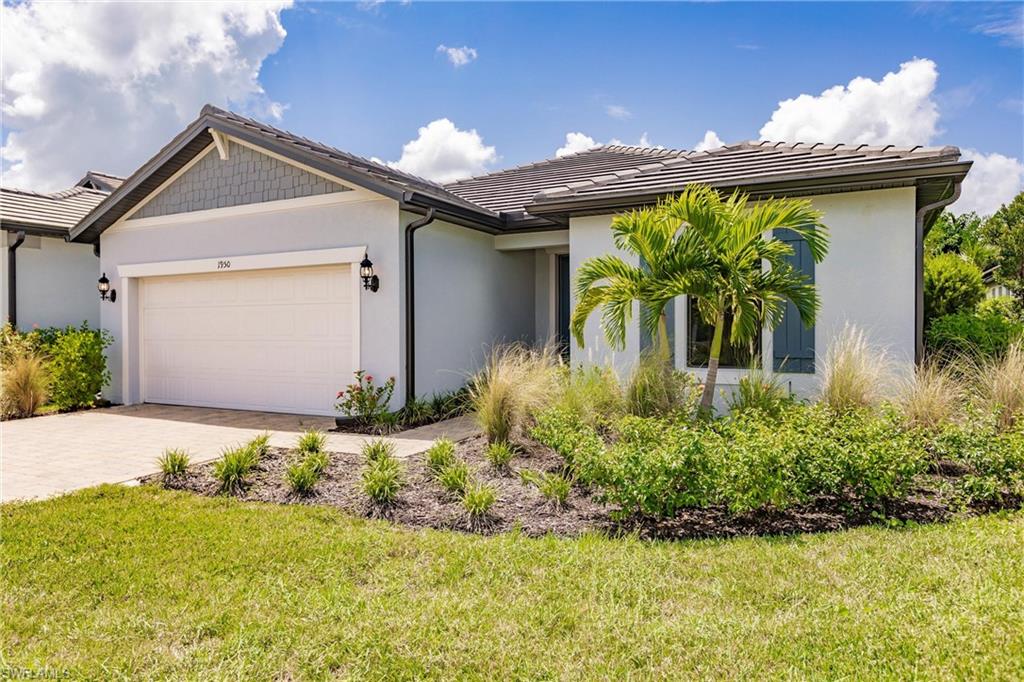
<point x="367" y="167"/>
<point x="750" y="163"/>
<point x="101" y="181"/>
<point x="54" y="212"/>
<point x="509" y="191"/>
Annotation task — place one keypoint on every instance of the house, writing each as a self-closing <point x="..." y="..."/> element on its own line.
<point x="236" y="255"/>
<point x="993" y="289"/>
<point x="43" y="277"/>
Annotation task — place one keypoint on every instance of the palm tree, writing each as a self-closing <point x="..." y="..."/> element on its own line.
<point x="713" y="250"/>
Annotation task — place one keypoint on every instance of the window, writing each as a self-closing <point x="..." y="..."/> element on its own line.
<point x="698" y="342"/>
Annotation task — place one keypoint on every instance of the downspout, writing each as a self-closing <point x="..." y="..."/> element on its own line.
<point x="410" y="303"/>
<point x="12" y="278"/>
<point x="920" y="234"/>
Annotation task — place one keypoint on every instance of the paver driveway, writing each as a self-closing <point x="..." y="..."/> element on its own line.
<point x="45" y="456"/>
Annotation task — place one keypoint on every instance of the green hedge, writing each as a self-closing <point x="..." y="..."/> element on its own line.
<point x="982" y="335"/>
<point x="76" y="362"/>
<point x="951" y="285"/>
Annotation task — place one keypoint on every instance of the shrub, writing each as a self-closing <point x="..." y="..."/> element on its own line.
<point x="26" y="385"/>
<point x="854" y="374"/>
<point x="233" y="467"/>
<point x="78" y="365"/>
<point x="555" y="488"/>
<point x="386" y="422"/>
<point x="478" y="500"/>
<point x="14" y="344"/>
<point x="311" y="440"/>
<point x="440" y="455"/>
<point x="374" y="450"/>
<point x="579" y="445"/>
<point x="1001" y="384"/>
<point x="979" y="335"/>
<point x="417" y="411"/>
<point x="382" y="480"/>
<point x="499" y="454"/>
<point x="455" y="477"/>
<point x="514" y="384"/>
<point x="1005" y="307"/>
<point x="364" y="400"/>
<point x="593" y="394"/>
<point x="302" y="477"/>
<point x="994" y="459"/>
<point x="759" y="391"/>
<point x="174" y="462"/>
<point x="932" y="396"/>
<point x="951" y="285"/>
<point x="656" y="388"/>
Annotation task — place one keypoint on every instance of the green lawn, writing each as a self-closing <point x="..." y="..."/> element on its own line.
<point x="128" y="582"/>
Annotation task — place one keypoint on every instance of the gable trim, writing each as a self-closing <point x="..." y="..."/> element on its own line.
<point x="166" y="183"/>
<point x="334" y="198"/>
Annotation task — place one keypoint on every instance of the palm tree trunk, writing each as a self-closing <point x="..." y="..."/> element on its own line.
<point x="664" y="352"/>
<point x="708" y="395"/>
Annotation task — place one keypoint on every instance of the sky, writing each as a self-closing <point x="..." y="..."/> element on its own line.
<point x="448" y="90"/>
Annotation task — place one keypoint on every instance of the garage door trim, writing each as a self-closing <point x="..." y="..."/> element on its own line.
<point x="131" y="301"/>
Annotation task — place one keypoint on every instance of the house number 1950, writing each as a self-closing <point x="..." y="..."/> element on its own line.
<point x="223" y="264"/>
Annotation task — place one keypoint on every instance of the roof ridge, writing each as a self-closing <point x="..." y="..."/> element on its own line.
<point x="846" y="148"/>
<point x="59" y="194"/>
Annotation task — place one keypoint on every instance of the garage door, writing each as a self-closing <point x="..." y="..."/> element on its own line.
<point x="276" y="340"/>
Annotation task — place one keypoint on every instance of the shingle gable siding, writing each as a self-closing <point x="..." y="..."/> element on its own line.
<point x="245" y="177"/>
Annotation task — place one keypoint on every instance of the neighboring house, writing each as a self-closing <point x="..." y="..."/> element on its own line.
<point x="46" y="281"/>
<point x="994" y="289"/>
<point x="235" y="253"/>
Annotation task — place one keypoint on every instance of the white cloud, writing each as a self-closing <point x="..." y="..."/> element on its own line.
<point x="1008" y="27"/>
<point x="444" y="153"/>
<point x="898" y="109"/>
<point x="709" y="141"/>
<point x="993" y="181"/>
<point x="104" y="86"/>
<point x="576" y="142"/>
<point x="617" y="111"/>
<point x="458" y="56"/>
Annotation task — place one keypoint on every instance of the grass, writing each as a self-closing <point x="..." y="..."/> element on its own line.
<point x="173" y="462"/>
<point x="298" y="592"/>
<point x="310" y="441"/>
<point x="24" y="385"/>
<point x="440" y="455"/>
<point x="854" y="373"/>
<point x="515" y="381"/>
<point x="455" y="477"/>
<point x="499" y="454"/>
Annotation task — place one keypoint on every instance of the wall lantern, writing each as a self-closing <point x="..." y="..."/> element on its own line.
<point x="370" y="280"/>
<point x="103" y="286"/>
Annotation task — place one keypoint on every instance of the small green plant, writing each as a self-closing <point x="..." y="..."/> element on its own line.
<point x="233" y="467"/>
<point x="311" y="440"/>
<point x="478" y="500"/>
<point x="374" y="450"/>
<point x="499" y="454"/>
<point x="25" y="385"/>
<point x="656" y="388"/>
<point x="386" y="422"/>
<point x="417" y="411"/>
<point x="854" y="374"/>
<point x="555" y="488"/>
<point x="260" y="445"/>
<point x="759" y="391"/>
<point x="365" y="401"/>
<point x="455" y="477"/>
<point x="514" y="384"/>
<point x="318" y="462"/>
<point x="382" y="480"/>
<point x="173" y="462"/>
<point x="440" y="455"/>
<point x="301" y="478"/>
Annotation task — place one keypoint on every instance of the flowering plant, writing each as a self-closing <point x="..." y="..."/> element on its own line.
<point x="363" y="400"/>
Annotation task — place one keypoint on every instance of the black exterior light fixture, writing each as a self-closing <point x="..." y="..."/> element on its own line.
<point x="103" y="286"/>
<point x="370" y="280"/>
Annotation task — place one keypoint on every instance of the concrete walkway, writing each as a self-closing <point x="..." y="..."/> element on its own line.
<point x="46" y="456"/>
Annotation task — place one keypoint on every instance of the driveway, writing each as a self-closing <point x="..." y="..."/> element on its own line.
<point x="46" y="456"/>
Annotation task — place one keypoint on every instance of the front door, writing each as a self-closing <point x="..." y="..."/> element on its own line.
<point x="562" y="283"/>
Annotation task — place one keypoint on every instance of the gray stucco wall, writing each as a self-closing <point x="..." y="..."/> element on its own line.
<point x="469" y="296"/>
<point x="56" y="283"/>
<point x="245" y="177"/>
<point x="371" y="223"/>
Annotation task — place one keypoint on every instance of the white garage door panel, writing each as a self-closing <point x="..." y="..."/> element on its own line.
<point x="276" y="340"/>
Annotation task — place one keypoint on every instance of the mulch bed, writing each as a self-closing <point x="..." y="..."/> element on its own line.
<point x="423" y="503"/>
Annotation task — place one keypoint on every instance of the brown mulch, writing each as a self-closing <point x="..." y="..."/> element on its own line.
<point x="423" y="503"/>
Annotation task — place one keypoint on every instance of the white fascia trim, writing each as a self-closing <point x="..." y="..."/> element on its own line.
<point x="531" y="240"/>
<point x="262" y="261"/>
<point x="335" y="198"/>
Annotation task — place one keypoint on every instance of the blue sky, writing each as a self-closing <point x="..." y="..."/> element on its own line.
<point x="366" y="80"/>
<point x="447" y="90"/>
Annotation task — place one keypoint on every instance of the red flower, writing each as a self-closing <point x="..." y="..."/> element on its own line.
<point x="341" y="393"/>
<point x="369" y="378"/>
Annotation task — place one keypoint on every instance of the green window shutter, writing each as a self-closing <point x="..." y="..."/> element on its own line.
<point x="792" y="342"/>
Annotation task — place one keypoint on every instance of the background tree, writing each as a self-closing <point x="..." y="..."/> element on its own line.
<point x="951" y="285"/>
<point x="1005" y="232"/>
<point x="712" y="249"/>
